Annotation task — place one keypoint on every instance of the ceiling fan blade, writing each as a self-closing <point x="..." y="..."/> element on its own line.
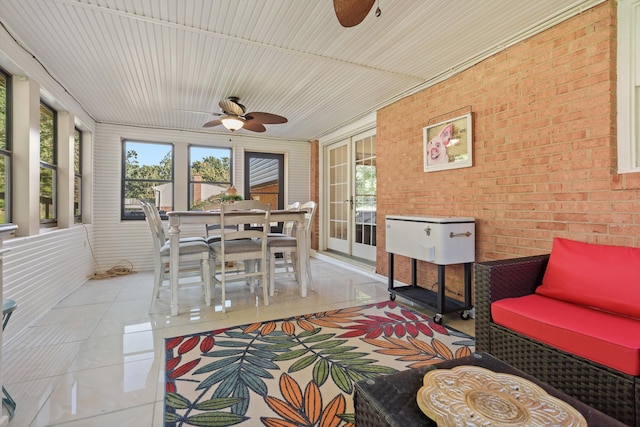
<point x="352" y="12"/>
<point x="253" y="126"/>
<point x="231" y="106"/>
<point x="265" y="118"/>
<point x="197" y="112"/>
<point x="212" y="123"/>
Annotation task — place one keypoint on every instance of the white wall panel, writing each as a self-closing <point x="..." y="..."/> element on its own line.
<point x="39" y="271"/>
<point x="118" y="241"/>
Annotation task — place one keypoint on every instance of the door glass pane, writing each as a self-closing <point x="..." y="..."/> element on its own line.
<point x="264" y="181"/>
<point x="339" y="190"/>
<point x="365" y="191"/>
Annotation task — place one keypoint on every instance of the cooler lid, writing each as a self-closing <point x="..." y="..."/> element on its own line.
<point x="431" y="219"/>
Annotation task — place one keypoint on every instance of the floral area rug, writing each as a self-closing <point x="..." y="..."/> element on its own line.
<point x="298" y="371"/>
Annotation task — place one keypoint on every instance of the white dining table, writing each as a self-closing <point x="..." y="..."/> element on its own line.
<point x="179" y="218"/>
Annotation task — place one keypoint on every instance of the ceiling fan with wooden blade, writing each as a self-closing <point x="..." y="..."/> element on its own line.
<point x="234" y="117"/>
<point x="352" y="12"/>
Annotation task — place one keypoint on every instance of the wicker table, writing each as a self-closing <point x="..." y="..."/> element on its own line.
<point x="390" y="400"/>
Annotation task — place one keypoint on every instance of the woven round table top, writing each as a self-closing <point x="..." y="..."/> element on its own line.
<point x="474" y="396"/>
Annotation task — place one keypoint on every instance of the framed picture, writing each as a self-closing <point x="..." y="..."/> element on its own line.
<point x="447" y="145"/>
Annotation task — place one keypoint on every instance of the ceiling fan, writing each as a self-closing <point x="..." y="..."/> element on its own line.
<point x="234" y="117"/>
<point x="352" y="12"/>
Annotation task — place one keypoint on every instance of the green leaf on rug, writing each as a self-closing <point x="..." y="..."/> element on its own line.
<point x="340" y="378"/>
<point x="177" y="401"/>
<point x="321" y="371"/>
<point x="215" y="419"/>
<point x="303" y="363"/>
<point x="219" y="403"/>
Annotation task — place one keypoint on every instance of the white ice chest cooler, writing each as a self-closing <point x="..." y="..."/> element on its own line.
<point x="441" y="240"/>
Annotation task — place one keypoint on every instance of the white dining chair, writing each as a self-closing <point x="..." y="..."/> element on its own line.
<point x="287" y="226"/>
<point x="287" y="245"/>
<point x="192" y="252"/>
<point x="246" y="245"/>
<point x="157" y="220"/>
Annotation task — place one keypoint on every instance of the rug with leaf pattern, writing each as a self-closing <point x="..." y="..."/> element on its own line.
<point x="298" y="371"/>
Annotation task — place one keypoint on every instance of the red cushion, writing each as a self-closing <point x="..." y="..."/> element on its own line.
<point x="596" y="335"/>
<point x="602" y="276"/>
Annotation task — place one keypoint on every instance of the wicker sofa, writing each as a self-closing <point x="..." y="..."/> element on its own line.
<point x="609" y="390"/>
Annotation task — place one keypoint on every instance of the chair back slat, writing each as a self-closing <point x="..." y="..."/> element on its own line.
<point x="250" y="216"/>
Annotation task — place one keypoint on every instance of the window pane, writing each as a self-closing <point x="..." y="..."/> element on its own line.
<point x="4" y="179"/>
<point x="77" y="138"/>
<point x="77" y="180"/>
<point x="5" y="154"/>
<point x="148" y="171"/>
<point x="3" y="112"/>
<point x="210" y="176"/>
<point x="47" y="134"/>
<point x="211" y="164"/>
<point x="77" y="190"/>
<point x="47" y="197"/>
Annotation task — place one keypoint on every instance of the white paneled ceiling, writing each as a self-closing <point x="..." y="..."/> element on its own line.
<point x="155" y="62"/>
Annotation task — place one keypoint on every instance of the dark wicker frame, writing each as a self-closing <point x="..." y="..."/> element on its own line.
<point x="612" y="392"/>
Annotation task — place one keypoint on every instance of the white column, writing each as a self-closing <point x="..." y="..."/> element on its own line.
<point x="65" y="136"/>
<point x="26" y="156"/>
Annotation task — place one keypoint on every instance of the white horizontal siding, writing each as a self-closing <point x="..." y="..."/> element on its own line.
<point x="119" y="241"/>
<point x="39" y="271"/>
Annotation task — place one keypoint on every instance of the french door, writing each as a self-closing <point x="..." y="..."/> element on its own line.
<point x="351" y="196"/>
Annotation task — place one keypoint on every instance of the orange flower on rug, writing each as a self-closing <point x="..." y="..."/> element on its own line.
<point x="298" y="371"/>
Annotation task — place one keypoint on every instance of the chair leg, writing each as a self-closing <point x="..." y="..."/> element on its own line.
<point x="222" y="283"/>
<point x="296" y="265"/>
<point x="309" y="278"/>
<point x="206" y="280"/>
<point x="265" y="285"/>
<point x="157" y="280"/>
<point x="272" y="273"/>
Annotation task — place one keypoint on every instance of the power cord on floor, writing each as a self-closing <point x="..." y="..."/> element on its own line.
<point x="116" y="270"/>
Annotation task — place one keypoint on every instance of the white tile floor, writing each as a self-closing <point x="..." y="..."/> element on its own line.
<point x="96" y="358"/>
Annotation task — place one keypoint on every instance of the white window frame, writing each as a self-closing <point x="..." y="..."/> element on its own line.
<point x="628" y="89"/>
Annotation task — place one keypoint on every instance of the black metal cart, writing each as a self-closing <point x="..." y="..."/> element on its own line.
<point x="438" y="240"/>
<point x="438" y="301"/>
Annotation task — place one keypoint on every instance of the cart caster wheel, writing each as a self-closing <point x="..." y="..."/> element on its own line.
<point x="438" y="318"/>
<point x="465" y="315"/>
<point x="392" y="297"/>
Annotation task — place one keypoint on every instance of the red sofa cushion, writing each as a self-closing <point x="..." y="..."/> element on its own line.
<point x="596" y="335"/>
<point x="602" y="276"/>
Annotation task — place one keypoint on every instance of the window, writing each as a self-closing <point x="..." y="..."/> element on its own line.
<point x="209" y="176"/>
<point x="628" y="86"/>
<point x="148" y="175"/>
<point x="5" y="148"/>
<point x="77" y="175"/>
<point x="48" y="165"/>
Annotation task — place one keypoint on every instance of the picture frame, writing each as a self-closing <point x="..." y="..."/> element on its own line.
<point x="448" y="144"/>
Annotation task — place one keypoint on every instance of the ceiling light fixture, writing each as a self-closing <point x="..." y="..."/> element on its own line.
<point x="232" y="122"/>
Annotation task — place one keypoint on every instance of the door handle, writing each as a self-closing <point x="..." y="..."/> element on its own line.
<point x="350" y="201"/>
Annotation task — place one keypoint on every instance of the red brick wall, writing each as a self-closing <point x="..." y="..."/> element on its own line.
<point x="544" y="149"/>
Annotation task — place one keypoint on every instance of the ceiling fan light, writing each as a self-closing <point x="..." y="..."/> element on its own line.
<point x="232" y="122"/>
